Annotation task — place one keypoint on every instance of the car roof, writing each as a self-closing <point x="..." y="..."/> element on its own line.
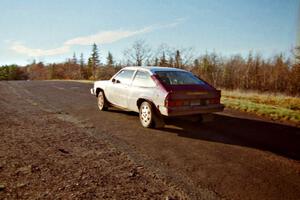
<point x="153" y="69"/>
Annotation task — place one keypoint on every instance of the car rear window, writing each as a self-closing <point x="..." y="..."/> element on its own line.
<point x="178" y="78"/>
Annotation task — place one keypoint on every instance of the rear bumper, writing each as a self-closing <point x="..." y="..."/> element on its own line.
<point x="188" y="110"/>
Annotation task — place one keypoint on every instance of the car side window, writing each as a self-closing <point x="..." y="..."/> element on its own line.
<point x="125" y="76"/>
<point x="143" y="79"/>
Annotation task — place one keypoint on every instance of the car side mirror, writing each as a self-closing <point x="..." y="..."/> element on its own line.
<point x="115" y="81"/>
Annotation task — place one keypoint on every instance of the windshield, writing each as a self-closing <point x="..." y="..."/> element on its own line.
<point x="178" y="78"/>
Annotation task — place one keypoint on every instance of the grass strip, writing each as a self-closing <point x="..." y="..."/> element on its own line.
<point x="270" y="111"/>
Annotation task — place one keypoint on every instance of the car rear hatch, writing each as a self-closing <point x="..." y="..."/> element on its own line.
<point x="191" y="95"/>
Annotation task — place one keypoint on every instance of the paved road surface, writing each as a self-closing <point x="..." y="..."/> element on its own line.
<point x="230" y="158"/>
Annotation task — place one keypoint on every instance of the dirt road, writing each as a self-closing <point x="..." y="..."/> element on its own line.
<point x="229" y="158"/>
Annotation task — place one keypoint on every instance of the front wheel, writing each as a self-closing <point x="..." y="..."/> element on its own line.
<point x="148" y="117"/>
<point x="102" y="102"/>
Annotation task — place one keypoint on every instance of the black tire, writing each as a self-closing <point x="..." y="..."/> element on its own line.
<point x="101" y="101"/>
<point x="209" y="117"/>
<point x="149" y="117"/>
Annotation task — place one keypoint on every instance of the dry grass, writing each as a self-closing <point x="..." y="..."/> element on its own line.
<point x="80" y="81"/>
<point x="83" y="81"/>
<point x="277" y="107"/>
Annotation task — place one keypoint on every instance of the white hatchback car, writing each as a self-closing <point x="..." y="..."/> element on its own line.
<point x="157" y="92"/>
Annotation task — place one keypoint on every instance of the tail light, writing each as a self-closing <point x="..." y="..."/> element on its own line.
<point x="214" y="101"/>
<point x="169" y="102"/>
<point x="174" y="103"/>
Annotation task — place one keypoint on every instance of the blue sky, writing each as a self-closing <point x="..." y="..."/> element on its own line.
<point x="50" y="31"/>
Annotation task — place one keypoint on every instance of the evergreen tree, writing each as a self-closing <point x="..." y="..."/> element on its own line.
<point x="148" y="62"/>
<point x="163" y="61"/>
<point x="110" y="60"/>
<point x="281" y="71"/>
<point x="94" y="60"/>
<point x="156" y="62"/>
<point x="171" y="61"/>
<point x="81" y="63"/>
<point x="296" y="53"/>
<point x="196" y="63"/>
<point x="178" y="59"/>
<point x="89" y="72"/>
<point x="4" y="73"/>
<point x="74" y="59"/>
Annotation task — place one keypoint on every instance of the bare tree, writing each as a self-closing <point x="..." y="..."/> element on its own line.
<point x="161" y="55"/>
<point x="138" y="54"/>
<point x="173" y="57"/>
<point x="38" y="71"/>
<point x="186" y="56"/>
<point x="296" y="54"/>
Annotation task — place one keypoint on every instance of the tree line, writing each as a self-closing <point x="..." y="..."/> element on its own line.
<point x="277" y="74"/>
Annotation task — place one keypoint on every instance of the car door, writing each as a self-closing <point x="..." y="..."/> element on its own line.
<point x="142" y="87"/>
<point x="117" y="93"/>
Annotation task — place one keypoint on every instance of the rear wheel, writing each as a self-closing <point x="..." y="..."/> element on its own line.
<point x="146" y="115"/>
<point x="102" y="102"/>
<point x="149" y="118"/>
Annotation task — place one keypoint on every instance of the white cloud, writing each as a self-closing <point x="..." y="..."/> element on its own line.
<point x="104" y="37"/>
<point x="175" y="23"/>
<point x="22" y="49"/>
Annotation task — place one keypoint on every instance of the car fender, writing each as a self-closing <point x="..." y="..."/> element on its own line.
<point x="145" y="98"/>
<point x="100" y="85"/>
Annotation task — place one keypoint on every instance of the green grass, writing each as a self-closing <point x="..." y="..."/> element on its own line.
<point x="275" y="107"/>
<point x="280" y="100"/>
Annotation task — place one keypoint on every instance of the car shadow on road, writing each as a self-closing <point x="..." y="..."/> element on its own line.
<point x="129" y="113"/>
<point x="280" y="139"/>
